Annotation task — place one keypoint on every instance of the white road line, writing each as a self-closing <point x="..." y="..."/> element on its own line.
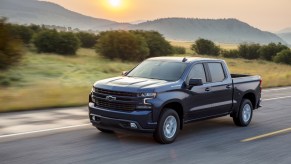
<point x="276" y="98"/>
<point x="276" y="89"/>
<point x="45" y="130"/>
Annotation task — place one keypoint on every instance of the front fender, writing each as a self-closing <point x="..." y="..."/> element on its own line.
<point x="165" y="98"/>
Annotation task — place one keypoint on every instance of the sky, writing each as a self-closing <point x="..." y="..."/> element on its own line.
<point x="267" y="15"/>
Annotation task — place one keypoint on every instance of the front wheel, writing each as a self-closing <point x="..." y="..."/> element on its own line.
<point x="168" y="127"/>
<point x="245" y="114"/>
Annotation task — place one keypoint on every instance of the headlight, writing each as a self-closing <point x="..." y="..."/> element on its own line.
<point x="93" y="89"/>
<point x="150" y="95"/>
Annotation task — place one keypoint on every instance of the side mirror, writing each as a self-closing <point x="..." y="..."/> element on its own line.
<point x="124" y="73"/>
<point x="195" y="82"/>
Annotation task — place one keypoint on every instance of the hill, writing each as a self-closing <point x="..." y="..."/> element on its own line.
<point x="219" y="30"/>
<point x="41" y="12"/>
<point x="286" y="36"/>
<point x="184" y="29"/>
<point x="285" y="30"/>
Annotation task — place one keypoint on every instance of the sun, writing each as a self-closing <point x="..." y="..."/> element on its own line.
<point x="115" y="3"/>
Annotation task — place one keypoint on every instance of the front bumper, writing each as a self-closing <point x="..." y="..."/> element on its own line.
<point x="121" y="120"/>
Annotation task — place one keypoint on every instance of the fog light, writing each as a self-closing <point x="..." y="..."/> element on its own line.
<point x="133" y="125"/>
<point x="93" y="117"/>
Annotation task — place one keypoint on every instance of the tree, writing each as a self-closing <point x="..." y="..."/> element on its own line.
<point x="68" y="43"/>
<point x="46" y="41"/>
<point x="178" y="50"/>
<point x="87" y="40"/>
<point x="267" y="52"/>
<point x="122" y="45"/>
<point x="157" y="44"/>
<point x="21" y="32"/>
<point x="283" y="57"/>
<point x="51" y="41"/>
<point x="249" y="51"/>
<point x="233" y="53"/>
<point x="10" y="48"/>
<point x="205" y="47"/>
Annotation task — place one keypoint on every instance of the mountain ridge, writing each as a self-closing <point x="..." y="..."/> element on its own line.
<point x="186" y="29"/>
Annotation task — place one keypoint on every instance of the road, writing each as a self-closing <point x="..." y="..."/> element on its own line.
<point x="65" y="136"/>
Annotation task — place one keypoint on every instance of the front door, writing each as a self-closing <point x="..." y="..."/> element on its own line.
<point x="200" y="97"/>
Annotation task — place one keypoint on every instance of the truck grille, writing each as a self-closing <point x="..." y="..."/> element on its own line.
<point x="115" y="93"/>
<point x="114" y="105"/>
<point x="125" y="101"/>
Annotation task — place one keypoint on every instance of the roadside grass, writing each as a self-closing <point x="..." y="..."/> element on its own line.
<point x="49" y="80"/>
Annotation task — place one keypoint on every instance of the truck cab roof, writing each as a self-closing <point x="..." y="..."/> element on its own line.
<point x="183" y="59"/>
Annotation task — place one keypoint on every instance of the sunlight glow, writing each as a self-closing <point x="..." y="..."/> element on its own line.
<point x="115" y="3"/>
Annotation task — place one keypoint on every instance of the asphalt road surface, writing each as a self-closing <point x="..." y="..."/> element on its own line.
<point x="65" y="136"/>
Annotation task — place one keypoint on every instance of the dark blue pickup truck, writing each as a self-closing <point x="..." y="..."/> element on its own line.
<point x="162" y="94"/>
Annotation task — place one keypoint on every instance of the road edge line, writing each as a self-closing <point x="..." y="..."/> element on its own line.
<point x="45" y="130"/>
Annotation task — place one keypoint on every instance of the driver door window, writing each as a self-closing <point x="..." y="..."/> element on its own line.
<point x="197" y="72"/>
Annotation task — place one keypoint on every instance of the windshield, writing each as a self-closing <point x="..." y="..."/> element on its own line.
<point x="162" y="70"/>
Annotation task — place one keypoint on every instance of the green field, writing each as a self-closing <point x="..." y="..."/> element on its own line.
<point x="48" y="80"/>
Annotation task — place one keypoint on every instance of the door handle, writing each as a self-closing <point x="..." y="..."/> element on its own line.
<point x="207" y="89"/>
<point x="228" y="86"/>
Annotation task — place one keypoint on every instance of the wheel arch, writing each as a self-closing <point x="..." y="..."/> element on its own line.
<point x="250" y="96"/>
<point x="176" y="106"/>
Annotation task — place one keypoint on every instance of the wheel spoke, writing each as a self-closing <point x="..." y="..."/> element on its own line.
<point x="170" y="126"/>
<point x="246" y="113"/>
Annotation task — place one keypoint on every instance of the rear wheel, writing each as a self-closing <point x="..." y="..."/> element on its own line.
<point x="105" y="130"/>
<point x="168" y="127"/>
<point x="245" y="113"/>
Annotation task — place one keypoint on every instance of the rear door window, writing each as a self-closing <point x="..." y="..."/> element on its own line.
<point x="216" y="72"/>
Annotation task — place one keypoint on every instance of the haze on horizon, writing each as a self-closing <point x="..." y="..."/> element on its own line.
<point x="264" y="14"/>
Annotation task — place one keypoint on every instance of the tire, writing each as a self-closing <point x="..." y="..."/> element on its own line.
<point x="168" y="127"/>
<point x="105" y="130"/>
<point x="245" y="113"/>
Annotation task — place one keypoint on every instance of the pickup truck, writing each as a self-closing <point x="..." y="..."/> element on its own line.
<point x="162" y="94"/>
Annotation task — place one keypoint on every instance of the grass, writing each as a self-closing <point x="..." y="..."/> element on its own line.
<point x="49" y="80"/>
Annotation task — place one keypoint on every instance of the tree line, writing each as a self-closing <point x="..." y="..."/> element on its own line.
<point x="276" y="52"/>
<point x="133" y="45"/>
<point x="125" y="45"/>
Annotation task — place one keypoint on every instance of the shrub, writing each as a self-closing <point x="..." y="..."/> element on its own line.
<point x="267" y="52"/>
<point x="179" y="50"/>
<point x="87" y="40"/>
<point x="205" y="47"/>
<point x="21" y="32"/>
<point x="283" y="57"/>
<point x="10" y="48"/>
<point x="233" y="53"/>
<point x="46" y="41"/>
<point x="51" y="41"/>
<point x="157" y="44"/>
<point x="122" y="45"/>
<point x="249" y="51"/>
<point x="68" y="43"/>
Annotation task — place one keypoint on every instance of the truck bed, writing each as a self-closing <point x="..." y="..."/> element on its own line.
<point x="243" y="78"/>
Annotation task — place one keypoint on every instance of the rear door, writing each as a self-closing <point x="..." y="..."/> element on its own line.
<point x="220" y="86"/>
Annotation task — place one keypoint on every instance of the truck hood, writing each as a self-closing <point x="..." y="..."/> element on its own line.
<point x="130" y="84"/>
